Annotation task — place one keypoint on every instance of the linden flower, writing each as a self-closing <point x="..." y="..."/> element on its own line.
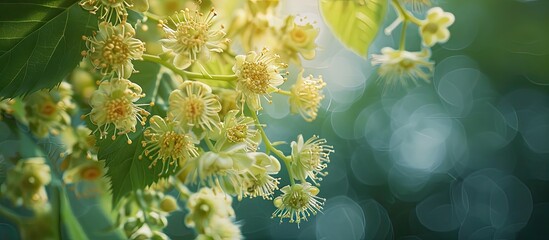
<point x="193" y="104"/>
<point x="306" y="95"/>
<point x="399" y="65"/>
<point x="192" y="38"/>
<point x="237" y="130"/>
<point x="225" y="170"/>
<point x="298" y="202"/>
<point x="166" y="141"/>
<point x="220" y="228"/>
<point x="254" y="25"/>
<point x="207" y="204"/>
<point x="113" y="104"/>
<point x="46" y="111"/>
<point x="258" y="74"/>
<point x="108" y="8"/>
<point x="310" y="158"/>
<point x="113" y="48"/>
<point x="261" y="183"/>
<point x="85" y="170"/>
<point x="435" y="27"/>
<point x="298" y="38"/>
<point x="25" y="183"/>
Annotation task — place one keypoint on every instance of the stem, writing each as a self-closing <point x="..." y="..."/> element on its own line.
<point x="210" y="144"/>
<point x="406" y="14"/>
<point x="270" y="147"/>
<point x="403" y="35"/>
<point x="10" y="215"/>
<point x="280" y="91"/>
<point x="142" y="205"/>
<point x="187" y="74"/>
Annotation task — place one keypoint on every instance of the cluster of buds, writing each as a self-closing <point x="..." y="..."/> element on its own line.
<point x="142" y="214"/>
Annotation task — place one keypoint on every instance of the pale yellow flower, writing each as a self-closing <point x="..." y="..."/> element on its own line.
<point x="255" y="25"/>
<point x="220" y="228"/>
<point x="25" y="183"/>
<point x="113" y="103"/>
<point x="167" y="142"/>
<point x="298" y="39"/>
<point x="191" y="37"/>
<point x="83" y="170"/>
<point x="310" y="158"/>
<point x="206" y="204"/>
<point x="260" y="182"/>
<point x="306" y="95"/>
<point x="435" y="27"/>
<point x="298" y="202"/>
<point x="258" y="75"/>
<point x="194" y="105"/>
<point x="47" y="111"/>
<point x="113" y="48"/>
<point x="237" y="129"/>
<point x="399" y="66"/>
<point x="225" y="170"/>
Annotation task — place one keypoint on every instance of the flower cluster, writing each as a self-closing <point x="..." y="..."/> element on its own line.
<point x="48" y="111"/>
<point x="197" y="129"/>
<point x="210" y="213"/>
<point x="402" y="66"/>
<point x="257" y="27"/>
<point x="142" y="215"/>
<point x="25" y="184"/>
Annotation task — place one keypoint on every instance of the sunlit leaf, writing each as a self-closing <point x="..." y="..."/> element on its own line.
<point x="40" y="43"/>
<point x="354" y="22"/>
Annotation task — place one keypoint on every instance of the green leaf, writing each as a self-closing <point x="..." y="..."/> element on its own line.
<point x="71" y="223"/>
<point x="354" y="22"/>
<point x="127" y="172"/>
<point x="40" y="43"/>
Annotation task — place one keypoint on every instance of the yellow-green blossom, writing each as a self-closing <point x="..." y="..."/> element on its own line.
<point x="167" y="142"/>
<point x="83" y="170"/>
<point x="254" y="25"/>
<point x="113" y="104"/>
<point x="306" y="95"/>
<point x="225" y="170"/>
<point x="220" y="228"/>
<point x="298" y="202"/>
<point x="260" y="182"/>
<point x="399" y="66"/>
<point x="113" y="48"/>
<point x="237" y="129"/>
<point x="435" y="27"/>
<point x="297" y="39"/>
<point x="46" y="111"/>
<point x="25" y="183"/>
<point x="191" y="37"/>
<point x="258" y="75"/>
<point x="310" y="158"/>
<point x="206" y="204"/>
<point x="194" y="105"/>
